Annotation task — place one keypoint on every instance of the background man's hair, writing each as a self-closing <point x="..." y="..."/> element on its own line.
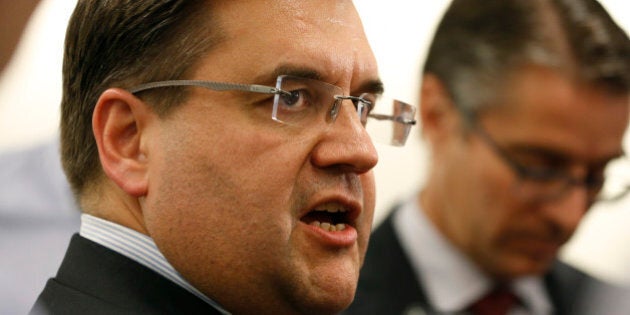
<point x="122" y="43"/>
<point x="479" y="43"/>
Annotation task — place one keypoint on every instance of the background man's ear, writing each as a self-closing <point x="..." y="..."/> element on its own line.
<point x="438" y="114"/>
<point x="120" y="123"/>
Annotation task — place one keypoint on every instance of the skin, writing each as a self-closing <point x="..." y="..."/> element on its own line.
<point x="470" y="192"/>
<point x="223" y="189"/>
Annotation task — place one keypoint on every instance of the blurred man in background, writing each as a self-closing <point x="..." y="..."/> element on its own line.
<point x="524" y="105"/>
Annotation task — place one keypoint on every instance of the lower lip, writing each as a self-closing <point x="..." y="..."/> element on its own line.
<point x="345" y="238"/>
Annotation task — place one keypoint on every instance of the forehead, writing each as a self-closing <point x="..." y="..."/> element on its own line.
<point x="260" y="36"/>
<point x="545" y="108"/>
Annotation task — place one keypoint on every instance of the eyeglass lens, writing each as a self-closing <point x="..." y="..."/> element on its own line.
<point x="609" y="184"/>
<point x="306" y="102"/>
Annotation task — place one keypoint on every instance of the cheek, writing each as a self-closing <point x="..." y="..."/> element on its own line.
<point x="225" y="191"/>
<point x="367" y="216"/>
<point x="235" y="169"/>
<point x="485" y="187"/>
<point x="500" y="213"/>
<point x="369" y="193"/>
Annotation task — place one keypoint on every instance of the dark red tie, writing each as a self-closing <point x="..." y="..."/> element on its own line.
<point x="498" y="302"/>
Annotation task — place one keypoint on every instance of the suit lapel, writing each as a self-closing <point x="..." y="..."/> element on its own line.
<point x="97" y="278"/>
<point x="388" y="283"/>
<point x="564" y="285"/>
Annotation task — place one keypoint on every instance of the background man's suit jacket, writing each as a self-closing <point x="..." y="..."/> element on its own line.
<point x="388" y="285"/>
<point x="96" y="280"/>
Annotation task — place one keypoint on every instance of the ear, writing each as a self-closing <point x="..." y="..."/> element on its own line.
<point x="438" y="115"/>
<point x="119" y="123"/>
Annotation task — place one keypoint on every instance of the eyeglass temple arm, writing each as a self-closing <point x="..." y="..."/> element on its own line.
<point x="398" y="119"/>
<point x="618" y="196"/>
<point x="211" y="85"/>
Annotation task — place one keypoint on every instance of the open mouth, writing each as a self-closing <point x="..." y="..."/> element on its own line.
<point x="331" y="217"/>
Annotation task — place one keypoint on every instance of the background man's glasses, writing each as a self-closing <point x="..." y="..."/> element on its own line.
<point x="540" y="184"/>
<point x="307" y="102"/>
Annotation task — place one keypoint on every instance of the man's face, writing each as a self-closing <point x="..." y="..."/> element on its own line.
<point x="542" y="120"/>
<point x="233" y="195"/>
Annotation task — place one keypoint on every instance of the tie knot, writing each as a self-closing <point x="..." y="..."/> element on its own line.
<point x="497" y="302"/>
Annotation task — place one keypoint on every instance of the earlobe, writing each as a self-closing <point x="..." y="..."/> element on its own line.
<point x="119" y="123"/>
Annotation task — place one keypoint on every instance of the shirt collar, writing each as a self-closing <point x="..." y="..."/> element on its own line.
<point x="138" y="247"/>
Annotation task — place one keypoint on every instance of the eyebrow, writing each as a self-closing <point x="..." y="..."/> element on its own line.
<point x="297" y="71"/>
<point x="374" y="86"/>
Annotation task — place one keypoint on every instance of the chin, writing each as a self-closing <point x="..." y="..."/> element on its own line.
<point x="330" y="297"/>
<point x="326" y="285"/>
<point x="335" y="300"/>
<point x="525" y="266"/>
<point x="332" y="306"/>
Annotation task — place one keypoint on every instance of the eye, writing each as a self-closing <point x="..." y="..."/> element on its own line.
<point x="368" y="101"/>
<point x="295" y="99"/>
<point x="372" y="99"/>
<point x="540" y="169"/>
<point x="290" y="98"/>
<point x="542" y="173"/>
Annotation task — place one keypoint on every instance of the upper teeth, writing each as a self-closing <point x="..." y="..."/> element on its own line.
<point x="331" y="208"/>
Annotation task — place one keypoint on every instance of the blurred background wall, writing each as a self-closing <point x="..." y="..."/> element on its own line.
<point x="399" y="30"/>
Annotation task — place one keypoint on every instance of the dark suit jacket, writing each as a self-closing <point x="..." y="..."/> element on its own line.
<point x="388" y="286"/>
<point x="93" y="279"/>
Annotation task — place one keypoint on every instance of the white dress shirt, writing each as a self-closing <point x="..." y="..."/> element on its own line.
<point x="452" y="282"/>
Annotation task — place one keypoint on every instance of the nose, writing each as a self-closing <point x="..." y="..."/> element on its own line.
<point x="567" y="211"/>
<point x="345" y="144"/>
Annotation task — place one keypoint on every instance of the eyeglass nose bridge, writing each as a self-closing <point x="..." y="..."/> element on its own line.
<point x="359" y="104"/>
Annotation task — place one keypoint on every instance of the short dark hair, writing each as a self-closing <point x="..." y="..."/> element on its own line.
<point x="479" y="42"/>
<point x="122" y="43"/>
